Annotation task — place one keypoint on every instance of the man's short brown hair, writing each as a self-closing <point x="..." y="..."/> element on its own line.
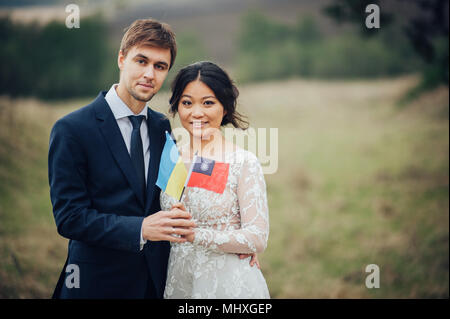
<point x="150" y="32"/>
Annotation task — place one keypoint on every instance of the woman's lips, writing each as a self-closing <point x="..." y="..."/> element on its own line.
<point x="198" y="124"/>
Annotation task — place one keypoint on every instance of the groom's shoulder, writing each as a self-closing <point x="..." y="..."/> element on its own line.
<point x="158" y="117"/>
<point x="87" y="111"/>
<point x="81" y="118"/>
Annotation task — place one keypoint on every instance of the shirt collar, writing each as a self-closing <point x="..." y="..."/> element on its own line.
<point x="118" y="107"/>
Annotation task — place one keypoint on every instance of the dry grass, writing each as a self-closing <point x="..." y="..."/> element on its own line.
<point x="359" y="181"/>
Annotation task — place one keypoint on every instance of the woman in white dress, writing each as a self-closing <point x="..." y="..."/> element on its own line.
<point x="235" y="222"/>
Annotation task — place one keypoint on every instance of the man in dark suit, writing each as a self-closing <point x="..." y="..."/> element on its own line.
<point x="103" y="164"/>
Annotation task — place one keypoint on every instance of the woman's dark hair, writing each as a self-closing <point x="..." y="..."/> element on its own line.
<point x="218" y="81"/>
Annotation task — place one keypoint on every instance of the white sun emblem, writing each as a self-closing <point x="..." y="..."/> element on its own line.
<point x="204" y="166"/>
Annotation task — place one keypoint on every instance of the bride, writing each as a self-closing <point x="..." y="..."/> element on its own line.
<point x="234" y="222"/>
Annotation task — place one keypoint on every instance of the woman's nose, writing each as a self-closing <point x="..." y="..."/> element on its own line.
<point x="197" y="111"/>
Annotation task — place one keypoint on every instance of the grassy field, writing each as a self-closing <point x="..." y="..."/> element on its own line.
<point x="360" y="181"/>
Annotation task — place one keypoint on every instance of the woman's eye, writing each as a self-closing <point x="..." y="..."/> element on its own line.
<point x="209" y="103"/>
<point x="186" y="103"/>
<point x="141" y="61"/>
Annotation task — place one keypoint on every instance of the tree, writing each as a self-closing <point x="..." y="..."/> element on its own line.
<point x="426" y="27"/>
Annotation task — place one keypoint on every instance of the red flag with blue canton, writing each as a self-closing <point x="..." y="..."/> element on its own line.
<point x="209" y="174"/>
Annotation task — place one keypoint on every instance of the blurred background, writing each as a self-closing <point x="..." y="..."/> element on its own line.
<point x="362" y="117"/>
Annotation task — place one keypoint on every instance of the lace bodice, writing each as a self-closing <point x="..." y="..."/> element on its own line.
<point x="236" y="221"/>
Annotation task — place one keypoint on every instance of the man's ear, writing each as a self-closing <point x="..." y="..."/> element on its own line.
<point x="120" y="60"/>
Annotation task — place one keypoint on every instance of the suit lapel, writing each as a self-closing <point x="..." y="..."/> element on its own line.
<point x="111" y="132"/>
<point x="154" y="132"/>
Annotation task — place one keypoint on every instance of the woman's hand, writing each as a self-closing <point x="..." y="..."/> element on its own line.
<point x="253" y="261"/>
<point x="191" y="236"/>
<point x="179" y="206"/>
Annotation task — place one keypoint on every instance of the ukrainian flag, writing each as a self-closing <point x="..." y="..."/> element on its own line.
<point x="172" y="172"/>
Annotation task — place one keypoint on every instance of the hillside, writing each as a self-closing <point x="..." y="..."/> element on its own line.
<point x="359" y="181"/>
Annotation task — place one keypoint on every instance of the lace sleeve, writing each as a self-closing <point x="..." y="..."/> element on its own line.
<point x="254" y="213"/>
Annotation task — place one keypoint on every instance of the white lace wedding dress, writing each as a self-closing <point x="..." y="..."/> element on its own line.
<point x="236" y="221"/>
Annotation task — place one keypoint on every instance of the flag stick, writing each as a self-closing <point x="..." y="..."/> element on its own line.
<point x="189" y="175"/>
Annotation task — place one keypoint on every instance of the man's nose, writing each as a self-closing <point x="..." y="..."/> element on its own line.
<point x="149" y="72"/>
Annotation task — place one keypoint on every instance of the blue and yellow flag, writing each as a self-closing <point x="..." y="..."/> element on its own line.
<point x="172" y="172"/>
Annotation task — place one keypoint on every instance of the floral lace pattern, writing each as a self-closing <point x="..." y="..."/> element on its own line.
<point x="234" y="222"/>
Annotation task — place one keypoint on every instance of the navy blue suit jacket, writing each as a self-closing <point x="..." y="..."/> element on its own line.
<point x="97" y="205"/>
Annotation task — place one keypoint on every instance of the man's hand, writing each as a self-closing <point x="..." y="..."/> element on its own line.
<point x="163" y="224"/>
<point x="253" y="261"/>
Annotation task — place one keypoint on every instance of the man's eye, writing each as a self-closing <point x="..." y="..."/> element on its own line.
<point x="141" y="61"/>
<point x="160" y="67"/>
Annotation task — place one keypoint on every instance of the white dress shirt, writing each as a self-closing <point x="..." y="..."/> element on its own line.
<point x="121" y="112"/>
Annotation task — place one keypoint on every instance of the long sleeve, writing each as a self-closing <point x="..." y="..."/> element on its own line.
<point x="254" y="216"/>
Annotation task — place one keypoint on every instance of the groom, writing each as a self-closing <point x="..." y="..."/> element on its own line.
<point x="103" y="163"/>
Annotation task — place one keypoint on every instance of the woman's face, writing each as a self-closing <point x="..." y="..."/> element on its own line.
<point x="199" y="109"/>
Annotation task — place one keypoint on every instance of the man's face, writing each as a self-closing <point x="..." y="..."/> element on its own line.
<point x="143" y="71"/>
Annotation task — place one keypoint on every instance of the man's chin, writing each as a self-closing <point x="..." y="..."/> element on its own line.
<point x="142" y="97"/>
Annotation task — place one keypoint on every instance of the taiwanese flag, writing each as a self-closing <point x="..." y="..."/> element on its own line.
<point x="209" y="174"/>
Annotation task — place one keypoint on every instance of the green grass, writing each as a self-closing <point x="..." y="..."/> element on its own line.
<point x="360" y="181"/>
